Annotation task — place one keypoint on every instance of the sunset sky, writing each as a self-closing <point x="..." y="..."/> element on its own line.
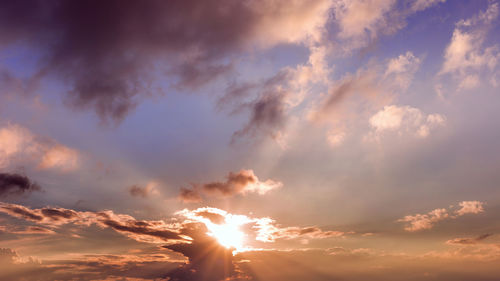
<point x="280" y="140"/>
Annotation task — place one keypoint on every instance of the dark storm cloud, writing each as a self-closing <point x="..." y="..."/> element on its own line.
<point x="108" y="52"/>
<point x="16" y="184"/>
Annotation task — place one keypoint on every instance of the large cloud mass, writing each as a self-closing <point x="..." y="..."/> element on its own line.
<point x="108" y="52"/>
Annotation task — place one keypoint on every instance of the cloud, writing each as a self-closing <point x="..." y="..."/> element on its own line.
<point x="269" y="101"/>
<point x="424" y="221"/>
<point x="208" y="259"/>
<point x="26" y="230"/>
<point x="469" y="82"/>
<point x="139" y="230"/>
<point x="143" y="191"/>
<point x="358" y="18"/>
<point x="336" y="137"/>
<point x="372" y="86"/>
<point x="427" y="221"/>
<point x="59" y="157"/>
<point x="190" y="195"/>
<point x="363" y="83"/>
<point x="242" y="182"/>
<point x="148" y="231"/>
<point x="86" y="267"/>
<point x="267" y="111"/>
<point x="468" y="241"/>
<point x="465" y="57"/>
<point x="268" y="231"/>
<point x="260" y="229"/>
<point x="405" y="119"/>
<point x="245" y="181"/>
<point x="360" y="22"/>
<point x="190" y="234"/>
<point x="420" y="5"/>
<point x="19" y="146"/>
<point x="108" y="53"/>
<point x="15" y="184"/>
<point x="402" y="69"/>
<point x="355" y="97"/>
<point x="470" y="207"/>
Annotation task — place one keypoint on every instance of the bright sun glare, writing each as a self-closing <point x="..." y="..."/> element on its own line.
<point x="229" y="233"/>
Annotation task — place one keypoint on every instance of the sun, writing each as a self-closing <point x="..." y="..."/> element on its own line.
<point x="229" y="233"/>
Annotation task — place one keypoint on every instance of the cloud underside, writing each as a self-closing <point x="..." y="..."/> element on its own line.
<point x="355" y="264"/>
<point x="160" y="232"/>
<point x="188" y="235"/>
<point x="16" y="184"/>
<point x="242" y="182"/>
<point x="108" y="53"/>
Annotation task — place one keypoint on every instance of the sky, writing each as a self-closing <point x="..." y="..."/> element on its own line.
<point x="250" y="140"/>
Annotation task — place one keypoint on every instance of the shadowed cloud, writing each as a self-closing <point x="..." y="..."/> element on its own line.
<point x="16" y="184"/>
<point x="242" y="182"/>
<point x="108" y="52"/>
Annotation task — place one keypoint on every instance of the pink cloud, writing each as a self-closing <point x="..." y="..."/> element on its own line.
<point x="427" y="221"/>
